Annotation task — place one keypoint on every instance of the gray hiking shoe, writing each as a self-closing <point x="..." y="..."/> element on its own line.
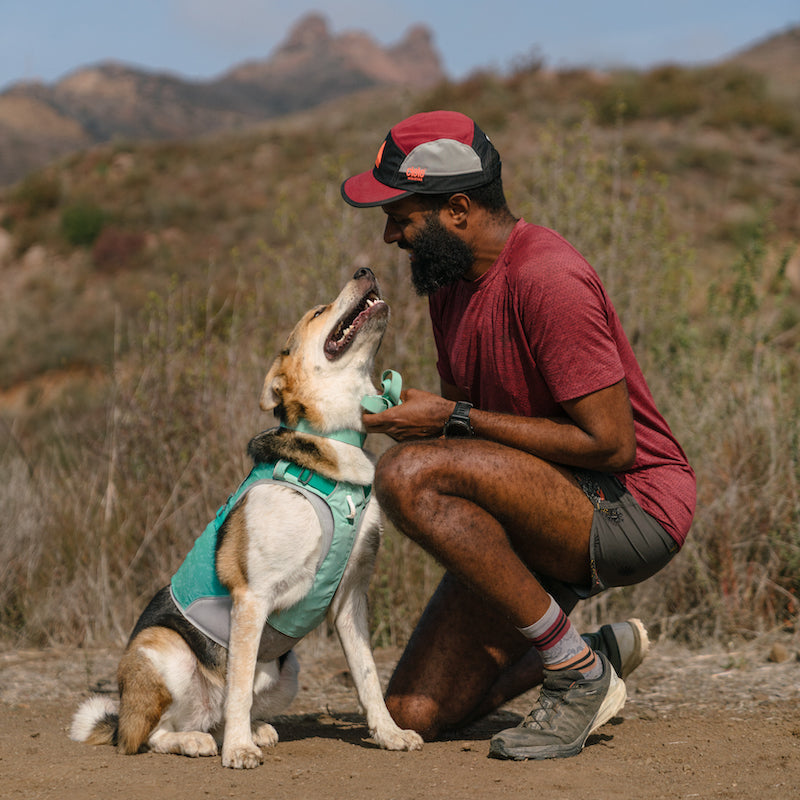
<point x="624" y="644"/>
<point x="568" y="709"/>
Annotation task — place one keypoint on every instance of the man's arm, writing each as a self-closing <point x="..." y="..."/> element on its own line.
<point x="596" y="431"/>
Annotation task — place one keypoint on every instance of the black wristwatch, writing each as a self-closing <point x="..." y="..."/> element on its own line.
<point x="457" y="426"/>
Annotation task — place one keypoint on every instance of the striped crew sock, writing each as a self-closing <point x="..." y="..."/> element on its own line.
<point x="560" y="645"/>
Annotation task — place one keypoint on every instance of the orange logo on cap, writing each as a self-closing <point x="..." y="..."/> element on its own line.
<point x="380" y="155"/>
<point x="415" y="173"/>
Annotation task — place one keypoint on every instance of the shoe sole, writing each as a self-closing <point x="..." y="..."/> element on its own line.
<point x="610" y="707"/>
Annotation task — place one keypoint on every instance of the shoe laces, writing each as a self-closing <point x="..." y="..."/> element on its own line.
<point x="541" y="715"/>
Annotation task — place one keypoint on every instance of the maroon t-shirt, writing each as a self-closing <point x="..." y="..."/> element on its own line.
<point x="539" y="329"/>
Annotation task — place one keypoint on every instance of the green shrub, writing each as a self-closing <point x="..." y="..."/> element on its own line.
<point x="81" y="223"/>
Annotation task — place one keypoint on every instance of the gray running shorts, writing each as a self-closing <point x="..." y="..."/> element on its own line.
<point x="626" y="544"/>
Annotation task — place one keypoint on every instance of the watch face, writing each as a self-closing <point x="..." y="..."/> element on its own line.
<point x="457" y="428"/>
<point x="458" y="425"/>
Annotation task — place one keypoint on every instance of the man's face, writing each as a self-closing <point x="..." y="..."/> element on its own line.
<point x="438" y="256"/>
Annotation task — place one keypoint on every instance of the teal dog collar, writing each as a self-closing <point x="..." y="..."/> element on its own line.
<point x="356" y="438"/>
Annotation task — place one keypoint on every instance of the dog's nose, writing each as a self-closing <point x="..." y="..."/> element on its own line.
<point x="364" y="272"/>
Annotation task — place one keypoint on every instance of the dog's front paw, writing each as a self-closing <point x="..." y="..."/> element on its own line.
<point x="397" y="739"/>
<point x="199" y="744"/>
<point x="264" y="735"/>
<point x="186" y="743"/>
<point x="246" y="756"/>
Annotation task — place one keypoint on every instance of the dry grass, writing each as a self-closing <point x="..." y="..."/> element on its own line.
<point x="105" y="491"/>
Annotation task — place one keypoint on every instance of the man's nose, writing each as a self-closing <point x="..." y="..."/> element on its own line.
<point x="391" y="233"/>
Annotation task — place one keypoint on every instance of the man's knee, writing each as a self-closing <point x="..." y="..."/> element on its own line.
<point x="385" y="482"/>
<point x="416" y="713"/>
<point x="399" y="473"/>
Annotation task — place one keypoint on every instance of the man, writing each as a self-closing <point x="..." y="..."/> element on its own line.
<point x="542" y="474"/>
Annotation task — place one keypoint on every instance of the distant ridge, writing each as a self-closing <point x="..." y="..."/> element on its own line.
<point x="40" y="122"/>
<point x="94" y="104"/>
<point x="777" y="58"/>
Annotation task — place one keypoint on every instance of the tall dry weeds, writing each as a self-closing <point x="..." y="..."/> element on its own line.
<point x="105" y="512"/>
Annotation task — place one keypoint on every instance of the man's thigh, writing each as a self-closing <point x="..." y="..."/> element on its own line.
<point x="542" y="510"/>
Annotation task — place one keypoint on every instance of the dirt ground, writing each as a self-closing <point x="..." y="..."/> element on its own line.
<point x="721" y="724"/>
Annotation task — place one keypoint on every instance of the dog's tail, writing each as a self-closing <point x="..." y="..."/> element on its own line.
<point x="96" y="721"/>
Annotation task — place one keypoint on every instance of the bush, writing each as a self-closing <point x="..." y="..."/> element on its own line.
<point x="81" y="223"/>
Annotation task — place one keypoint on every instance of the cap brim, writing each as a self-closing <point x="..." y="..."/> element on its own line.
<point x="364" y="191"/>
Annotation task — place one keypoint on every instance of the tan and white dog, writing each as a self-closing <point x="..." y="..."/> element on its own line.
<point x="191" y="681"/>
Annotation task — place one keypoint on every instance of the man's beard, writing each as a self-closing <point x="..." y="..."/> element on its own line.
<point x="438" y="257"/>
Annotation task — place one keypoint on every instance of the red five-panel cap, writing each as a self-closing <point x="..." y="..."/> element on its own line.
<point x="436" y="152"/>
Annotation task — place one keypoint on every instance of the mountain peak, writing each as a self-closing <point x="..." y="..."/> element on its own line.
<point x="312" y="52"/>
<point x="308" y="32"/>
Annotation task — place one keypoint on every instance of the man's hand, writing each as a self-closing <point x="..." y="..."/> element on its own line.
<point x="421" y="415"/>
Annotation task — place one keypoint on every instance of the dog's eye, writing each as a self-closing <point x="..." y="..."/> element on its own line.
<point x="285" y="352"/>
<point x="318" y="312"/>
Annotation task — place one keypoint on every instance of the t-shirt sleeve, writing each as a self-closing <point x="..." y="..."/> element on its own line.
<point x="569" y="323"/>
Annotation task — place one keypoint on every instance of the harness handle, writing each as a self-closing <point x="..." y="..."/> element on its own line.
<point x="392" y="385"/>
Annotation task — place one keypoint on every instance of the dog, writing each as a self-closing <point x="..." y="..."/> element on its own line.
<point x="210" y="660"/>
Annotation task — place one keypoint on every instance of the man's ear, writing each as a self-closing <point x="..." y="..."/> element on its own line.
<point x="274" y="385"/>
<point x="458" y="207"/>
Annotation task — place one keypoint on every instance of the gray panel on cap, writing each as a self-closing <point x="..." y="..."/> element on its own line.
<point x="442" y="158"/>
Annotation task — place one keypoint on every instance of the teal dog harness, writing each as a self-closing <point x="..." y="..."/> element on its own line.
<point x="206" y="603"/>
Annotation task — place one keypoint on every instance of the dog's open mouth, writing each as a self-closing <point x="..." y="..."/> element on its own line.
<point x="343" y="333"/>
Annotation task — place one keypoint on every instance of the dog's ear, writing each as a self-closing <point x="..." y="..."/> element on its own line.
<point x="274" y="385"/>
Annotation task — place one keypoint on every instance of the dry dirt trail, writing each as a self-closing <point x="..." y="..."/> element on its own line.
<point x="721" y="724"/>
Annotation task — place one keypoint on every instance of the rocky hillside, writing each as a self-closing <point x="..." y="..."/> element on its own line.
<point x="777" y="58"/>
<point x="90" y="235"/>
<point x="39" y="122"/>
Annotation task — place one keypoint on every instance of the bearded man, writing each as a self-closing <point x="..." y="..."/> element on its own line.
<point x="541" y="475"/>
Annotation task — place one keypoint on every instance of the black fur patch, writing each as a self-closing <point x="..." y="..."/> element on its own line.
<point x="162" y="612"/>
<point x="280" y="443"/>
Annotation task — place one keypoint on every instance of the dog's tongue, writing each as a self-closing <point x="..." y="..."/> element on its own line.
<point x="392" y="385"/>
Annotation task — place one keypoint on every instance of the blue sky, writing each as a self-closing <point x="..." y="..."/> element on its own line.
<point x="46" y="39"/>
